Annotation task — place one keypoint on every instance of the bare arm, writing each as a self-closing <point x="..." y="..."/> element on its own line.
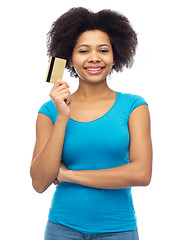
<point x="136" y="173"/>
<point x="47" y="152"/>
<point x="49" y="141"/>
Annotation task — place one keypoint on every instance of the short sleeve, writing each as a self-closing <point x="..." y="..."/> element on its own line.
<point x="49" y="110"/>
<point x="136" y="101"/>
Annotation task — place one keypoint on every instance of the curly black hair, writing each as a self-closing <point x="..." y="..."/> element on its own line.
<point x="64" y="32"/>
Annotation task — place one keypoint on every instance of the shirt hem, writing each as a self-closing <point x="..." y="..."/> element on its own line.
<point x="130" y="227"/>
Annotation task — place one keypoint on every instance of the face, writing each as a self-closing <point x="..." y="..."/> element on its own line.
<point x="92" y="56"/>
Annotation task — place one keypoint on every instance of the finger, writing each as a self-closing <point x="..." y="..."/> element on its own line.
<point x="60" y="82"/>
<point x="59" y="98"/>
<point x="57" y="84"/>
<point x="61" y="87"/>
<point x="69" y="98"/>
<point x="59" y="90"/>
<point x="57" y="93"/>
<point x="56" y="182"/>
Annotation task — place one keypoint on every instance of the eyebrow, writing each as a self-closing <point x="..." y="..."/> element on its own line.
<point x="101" y="45"/>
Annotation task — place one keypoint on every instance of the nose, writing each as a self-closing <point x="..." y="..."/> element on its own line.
<point x="94" y="57"/>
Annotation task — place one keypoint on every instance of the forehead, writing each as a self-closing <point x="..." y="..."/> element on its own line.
<point x="93" y="37"/>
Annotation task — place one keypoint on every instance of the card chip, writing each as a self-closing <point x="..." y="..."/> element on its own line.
<point x="55" y="69"/>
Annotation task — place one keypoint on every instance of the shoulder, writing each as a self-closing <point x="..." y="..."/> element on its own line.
<point x="49" y="109"/>
<point x="131" y="98"/>
<point x="127" y="102"/>
<point x="131" y="101"/>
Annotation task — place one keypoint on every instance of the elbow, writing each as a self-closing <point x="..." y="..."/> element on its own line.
<point x="145" y="179"/>
<point x="36" y="184"/>
<point x="37" y="187"/>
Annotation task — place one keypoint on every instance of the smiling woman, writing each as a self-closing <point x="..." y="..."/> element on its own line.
<point x="92" y="56"/>
<point x="67" y="28"/>
<point x="94" y="144"/>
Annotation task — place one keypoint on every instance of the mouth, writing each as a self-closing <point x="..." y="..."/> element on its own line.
<point x="94" y="70"/>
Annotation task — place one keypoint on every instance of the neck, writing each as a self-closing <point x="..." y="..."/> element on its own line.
<point x="92" y="92"/>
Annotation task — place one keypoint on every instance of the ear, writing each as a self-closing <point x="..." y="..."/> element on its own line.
<point x="114" y="62"/>
<point x="70" y="63"/>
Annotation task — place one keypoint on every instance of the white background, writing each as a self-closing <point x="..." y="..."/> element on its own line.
<point x="155" y="76"/>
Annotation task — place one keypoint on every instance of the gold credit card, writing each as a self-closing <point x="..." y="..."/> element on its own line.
<point x="55" y="69"/>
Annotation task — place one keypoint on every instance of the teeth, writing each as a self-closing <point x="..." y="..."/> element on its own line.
<point x="94" y="69"/>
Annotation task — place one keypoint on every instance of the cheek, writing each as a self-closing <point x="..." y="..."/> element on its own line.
<point x="110" y="64"/>
<point x="78" y="62"/>
<point x="110" y="60"/>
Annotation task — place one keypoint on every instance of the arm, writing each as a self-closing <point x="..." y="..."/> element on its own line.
<point x="136" y="173"/>
<point x="49" y="141"/>
<point x="47" y="152"/>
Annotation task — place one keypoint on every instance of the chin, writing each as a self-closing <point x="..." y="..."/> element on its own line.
<point x="92" y="80"/>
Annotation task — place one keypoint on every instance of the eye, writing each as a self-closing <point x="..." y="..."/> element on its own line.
<point x="83" y="51"/>
<point x="104" y="50"/>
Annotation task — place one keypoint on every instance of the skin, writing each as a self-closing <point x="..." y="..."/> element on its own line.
<point x="92" y="59"/>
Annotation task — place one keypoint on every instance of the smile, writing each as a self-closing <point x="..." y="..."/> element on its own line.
<point x="94" y="70"/>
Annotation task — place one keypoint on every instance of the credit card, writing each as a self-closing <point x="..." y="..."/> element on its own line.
<point x="55" y="69"/>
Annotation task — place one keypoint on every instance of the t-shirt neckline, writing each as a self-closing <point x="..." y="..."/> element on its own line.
<point x="100" y="118"/>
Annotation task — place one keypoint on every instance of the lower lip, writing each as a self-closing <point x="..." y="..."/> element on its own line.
<point x="94" y="72"/>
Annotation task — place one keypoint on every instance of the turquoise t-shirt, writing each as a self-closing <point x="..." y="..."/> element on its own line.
<point x="99" y="144"/>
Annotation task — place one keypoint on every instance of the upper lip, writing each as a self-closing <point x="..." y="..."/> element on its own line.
<point x="94" y="67"/>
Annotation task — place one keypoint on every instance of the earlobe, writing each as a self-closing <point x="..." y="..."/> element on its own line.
<point x="70" y="63"/>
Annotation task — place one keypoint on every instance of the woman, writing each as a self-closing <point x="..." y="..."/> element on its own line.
<point x="93" y="144"/>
